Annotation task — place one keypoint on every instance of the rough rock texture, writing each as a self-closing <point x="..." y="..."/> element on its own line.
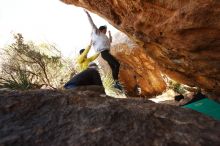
<point x="137" y="69"/>
<point x="182" y="36"/>
<point x="83" y="117"/>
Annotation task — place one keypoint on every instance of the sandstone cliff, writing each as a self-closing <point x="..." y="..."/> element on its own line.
<point x="137" y="68"/>
<point x="182" y="36"/>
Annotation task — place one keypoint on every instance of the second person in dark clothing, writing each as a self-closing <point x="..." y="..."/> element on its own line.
<point x="90" y="76"/>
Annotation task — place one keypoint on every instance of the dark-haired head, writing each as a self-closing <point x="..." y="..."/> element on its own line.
<point x="93" y="65"/>
<point x="103" y="28"/>
<point x="81" y="51"/>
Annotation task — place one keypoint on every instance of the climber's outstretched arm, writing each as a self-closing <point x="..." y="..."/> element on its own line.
<point x="110" y="36"/>
<point x="90" y="20"/>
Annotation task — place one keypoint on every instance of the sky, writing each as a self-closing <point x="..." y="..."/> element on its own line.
<point x="49" y="21"/>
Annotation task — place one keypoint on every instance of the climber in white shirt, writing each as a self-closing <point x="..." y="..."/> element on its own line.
<point x="101" y="44"/>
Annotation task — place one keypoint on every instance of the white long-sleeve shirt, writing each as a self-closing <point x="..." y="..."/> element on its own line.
<point x="100" y="41"/>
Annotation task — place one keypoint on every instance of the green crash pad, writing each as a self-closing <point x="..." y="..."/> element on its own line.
<point x="207" y="107"/>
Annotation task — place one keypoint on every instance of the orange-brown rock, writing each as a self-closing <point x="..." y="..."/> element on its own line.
<point x="137" y="68"/>
<point x="182" y="36"/>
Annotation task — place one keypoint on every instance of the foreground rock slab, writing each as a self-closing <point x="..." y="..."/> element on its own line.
<point x="85" y="117"/>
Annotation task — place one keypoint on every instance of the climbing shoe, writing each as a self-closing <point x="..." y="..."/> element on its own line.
<point x="118" y="85"/>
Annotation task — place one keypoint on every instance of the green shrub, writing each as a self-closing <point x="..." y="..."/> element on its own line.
<point x="30" y="66"/>
<point x="176" y="87"/>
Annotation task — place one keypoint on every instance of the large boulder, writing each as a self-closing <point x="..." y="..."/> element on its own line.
<point x="182" y="36"/>
<point x="137" y="69"/>
<point x="86" y="116"/>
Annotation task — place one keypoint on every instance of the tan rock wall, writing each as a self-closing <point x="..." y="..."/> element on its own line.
<point x="138" y="69"/>
<point x="181" y="36"/>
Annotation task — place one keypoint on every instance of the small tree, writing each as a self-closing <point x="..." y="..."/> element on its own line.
<point x="176" y="87"/>
<point x="28" y="66"/>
